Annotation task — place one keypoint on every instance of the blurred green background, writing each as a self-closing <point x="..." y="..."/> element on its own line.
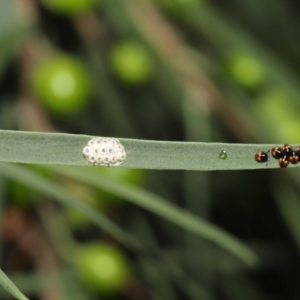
<point x="180" y="70"/>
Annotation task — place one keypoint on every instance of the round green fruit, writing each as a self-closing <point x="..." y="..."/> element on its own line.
<point x="103" y="267"/>
<point x="62" y="85"/>
<point x="276" y="103"/>
<point x="69" y="7"/>
<point x="131" y="62"/>
<point x="247" y="70"/>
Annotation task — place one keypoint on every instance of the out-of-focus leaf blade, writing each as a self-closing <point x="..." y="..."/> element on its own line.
<point x="53" y="190"/>
<point x="10" y="287"/>
<point x="164" y="209"/>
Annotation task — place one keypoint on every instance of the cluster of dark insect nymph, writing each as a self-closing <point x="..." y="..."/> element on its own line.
<point x="284" y="154"/>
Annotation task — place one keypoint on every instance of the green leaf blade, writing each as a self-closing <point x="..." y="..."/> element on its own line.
<point x="66" y="149"/>
<point x="166" y="210"/>
<point x="8" y="285"/>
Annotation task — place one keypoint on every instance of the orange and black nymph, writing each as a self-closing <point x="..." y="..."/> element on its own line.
<point x="261" y="156"/>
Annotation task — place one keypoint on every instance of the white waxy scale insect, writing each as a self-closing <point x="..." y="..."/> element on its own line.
<point x="102" y="151"/>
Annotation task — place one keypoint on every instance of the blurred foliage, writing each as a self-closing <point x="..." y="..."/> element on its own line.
<point x="184" y="70"/>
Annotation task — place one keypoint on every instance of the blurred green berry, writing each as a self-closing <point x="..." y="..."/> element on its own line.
<point x="131" y="62"/>
<point x="275" y="104"/>
<point x="62" y="85"/>
<point x="103" y="267"/>
<point x="69" y="7"/>
<point x="247" y="70"/>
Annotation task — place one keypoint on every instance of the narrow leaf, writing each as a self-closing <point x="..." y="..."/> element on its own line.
<point x="164" y="209"/>
<point x="66" y="149"/>
<point x="10" y="287"/>
<point x="56" y="192"/>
